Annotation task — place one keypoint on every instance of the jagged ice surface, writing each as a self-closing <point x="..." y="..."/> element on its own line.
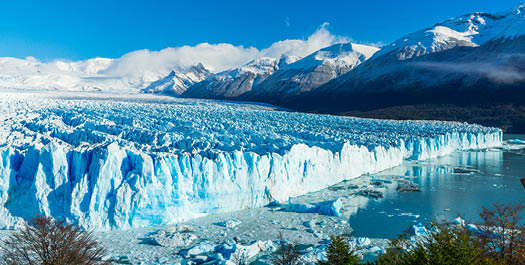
<point x="113" y="162"/>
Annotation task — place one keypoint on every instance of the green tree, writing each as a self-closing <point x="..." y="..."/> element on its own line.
<point x="397" y="252"/>
<point x="286" y="254"/>
<point x="340" y="253"/>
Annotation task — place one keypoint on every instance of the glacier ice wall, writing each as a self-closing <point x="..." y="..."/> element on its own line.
<point x="83" y="168"/>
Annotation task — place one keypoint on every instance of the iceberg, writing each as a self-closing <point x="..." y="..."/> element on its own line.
<point x="516" y="141"/>
<point x="231" y="223"/>
<point x="361" y="242"/>
<point x="419" y="230"/>
<point x="117" y="162"/>
<point x="330" y="208"/>
<point x="228" y="253"/>
<point x="171" y="239"/>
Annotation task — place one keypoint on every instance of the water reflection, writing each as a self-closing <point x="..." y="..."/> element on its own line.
<point x="459" y="183"/>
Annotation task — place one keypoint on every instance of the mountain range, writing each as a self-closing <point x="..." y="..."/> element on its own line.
<point x="468" y="68"/>
<point x="473" y="59"/>
<point x="265" y="79"/>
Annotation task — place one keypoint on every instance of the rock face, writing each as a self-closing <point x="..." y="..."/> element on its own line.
<point x="125" y="163"/>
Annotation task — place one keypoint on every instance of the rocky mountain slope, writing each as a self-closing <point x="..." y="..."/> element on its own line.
<point x="474" y="60"/>
<point x="235" y="82"/>
<point x="469" y="60"/>
<point x="310" y="72"/>
<point x="267" y="79"/>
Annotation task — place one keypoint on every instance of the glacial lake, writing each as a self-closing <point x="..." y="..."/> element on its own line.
<point x="457" y="184"/>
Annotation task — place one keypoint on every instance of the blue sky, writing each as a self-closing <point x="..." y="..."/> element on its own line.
<point x="83" y="29"/>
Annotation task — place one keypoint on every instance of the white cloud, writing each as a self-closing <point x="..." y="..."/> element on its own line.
<point x="502" y="73"/>
<point x="320" y="39"/>
<point x="219" y="57"/>
<point x="214" y="56"/>
<point x="138" y="68"/>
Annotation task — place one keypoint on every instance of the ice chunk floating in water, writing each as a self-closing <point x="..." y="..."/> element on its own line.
<point x="131" y="161"/>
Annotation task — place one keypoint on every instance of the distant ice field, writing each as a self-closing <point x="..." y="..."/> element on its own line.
<point x="165" y="124"/>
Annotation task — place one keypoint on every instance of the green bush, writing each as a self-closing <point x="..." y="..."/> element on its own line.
<point x="444" y="244"/>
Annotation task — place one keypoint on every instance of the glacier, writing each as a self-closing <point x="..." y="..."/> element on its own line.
<point x="108" y="161"/>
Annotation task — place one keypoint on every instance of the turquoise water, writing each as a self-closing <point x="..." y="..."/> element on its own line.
<point x="445" y="192"/>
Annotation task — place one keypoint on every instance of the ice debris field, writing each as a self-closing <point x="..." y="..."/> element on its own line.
<point x="107" y="161"/>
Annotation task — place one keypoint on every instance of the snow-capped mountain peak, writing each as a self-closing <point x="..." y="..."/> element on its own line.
<point x="92" y="74"/>
<point x="310" y="72"/>
<point x="339" y="55"/>
<point x="518" y="10"/>
<point x="178" y="81"/>
<point x="261" y="65"/>
<point x="287" y="59"/>
<point x="266" y="78"/>
<point x="468" y="30"/>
